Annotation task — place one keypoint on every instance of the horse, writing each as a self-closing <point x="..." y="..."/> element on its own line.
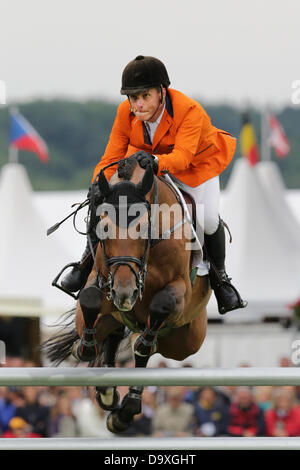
<point x="140" y="284"/>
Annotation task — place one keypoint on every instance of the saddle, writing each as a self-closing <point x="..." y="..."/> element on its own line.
<point x="190" y="203"/>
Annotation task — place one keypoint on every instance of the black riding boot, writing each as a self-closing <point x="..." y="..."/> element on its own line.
<point x="77" y="277"/>
<point x="226" y="294"/>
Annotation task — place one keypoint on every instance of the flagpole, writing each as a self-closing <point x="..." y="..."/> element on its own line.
<point x="13" y="155"/>
<point x="13" y="152"/>
<point x="265" y="146"/>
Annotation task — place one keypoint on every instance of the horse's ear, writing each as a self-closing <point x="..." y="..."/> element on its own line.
<point x="144" y="186"/>
<point x="104" y="185"/>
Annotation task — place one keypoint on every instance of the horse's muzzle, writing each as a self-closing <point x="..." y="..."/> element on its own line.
<point x="124" y="299"/>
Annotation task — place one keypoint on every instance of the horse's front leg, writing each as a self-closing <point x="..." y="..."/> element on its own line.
<point x="166" y="304"/>
<point x="88" y="309"/>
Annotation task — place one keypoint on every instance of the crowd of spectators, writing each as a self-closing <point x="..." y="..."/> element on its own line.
<point x="167" y="411"/>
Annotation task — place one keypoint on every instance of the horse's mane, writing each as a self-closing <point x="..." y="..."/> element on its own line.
<point x="126" y="167"/>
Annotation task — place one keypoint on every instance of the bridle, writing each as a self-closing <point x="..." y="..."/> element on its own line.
<point x="140" y="269"/>
<point x="141" y="263"/>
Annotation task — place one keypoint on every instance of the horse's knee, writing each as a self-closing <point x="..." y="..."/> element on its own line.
<point x="162" y="304"/>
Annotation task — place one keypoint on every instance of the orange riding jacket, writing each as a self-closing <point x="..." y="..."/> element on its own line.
<point x="186" y="143"/>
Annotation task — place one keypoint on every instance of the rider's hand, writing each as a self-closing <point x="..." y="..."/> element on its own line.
<point x="146" y="159"/>
<point x="97" y="193"/>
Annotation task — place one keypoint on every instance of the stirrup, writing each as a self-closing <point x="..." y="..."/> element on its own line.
<point x="59" y="286"/>
<point x="240" y="302"/>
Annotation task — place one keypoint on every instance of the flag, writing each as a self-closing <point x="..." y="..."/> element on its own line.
<point x="277" y="137"/>
<point x="24" y="137"/>
<point x="249" y="147"/>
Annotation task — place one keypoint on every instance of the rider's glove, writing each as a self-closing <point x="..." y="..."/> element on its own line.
<point x="96" y="195"/>
<point x="146" y="159"/>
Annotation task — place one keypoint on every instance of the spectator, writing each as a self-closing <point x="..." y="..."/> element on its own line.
<point x="285" y="361"/>
<point x="227" y="393"/>
<point x="8" y="405"/>
<point x="174" y="418"/>
<point x="91" y="419"/>
<point x="192" y="395"/>
<point x="19" y="428"/>
<point x="245" y="417"/>
<point x="263" y="397"/>
<point x="211" y="415"/>
<point x="14" y="361"/>
<point x="283" y="419"/>
<point x="33" y="412"/>
<point x="62" y="421"/>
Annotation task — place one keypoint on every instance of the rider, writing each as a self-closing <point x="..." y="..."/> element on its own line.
<point x="174" y="134"/>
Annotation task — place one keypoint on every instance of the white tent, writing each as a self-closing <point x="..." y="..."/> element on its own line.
<point x="29" y="259"/>
<point x="274" y="190"/>
<point x="264" y="258"/>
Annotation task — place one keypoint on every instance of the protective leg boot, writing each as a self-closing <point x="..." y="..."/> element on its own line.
<point x="226" y="294"/>
<point x="78" y="275"/>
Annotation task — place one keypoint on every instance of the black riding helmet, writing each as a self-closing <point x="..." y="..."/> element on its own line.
<point x="143" y="73"/>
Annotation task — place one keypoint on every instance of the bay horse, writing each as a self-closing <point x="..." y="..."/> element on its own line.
<point x="140" y="282"/>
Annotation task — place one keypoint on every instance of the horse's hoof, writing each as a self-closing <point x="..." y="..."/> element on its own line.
<point x="144" y="348"/>
<point x="103" y="400"/>
<point x="114" y="424"/>
<point x="84" y="353"/>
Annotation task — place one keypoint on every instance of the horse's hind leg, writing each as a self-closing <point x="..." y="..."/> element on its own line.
<point x="90" y="305"/>
<point x="108" y="397"/>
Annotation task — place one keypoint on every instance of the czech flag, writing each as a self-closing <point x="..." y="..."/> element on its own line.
<point x="24" y="137"/>
<point x="249" y="147"/>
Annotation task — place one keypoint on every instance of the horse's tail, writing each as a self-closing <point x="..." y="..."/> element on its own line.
<point x="58" y="347"/>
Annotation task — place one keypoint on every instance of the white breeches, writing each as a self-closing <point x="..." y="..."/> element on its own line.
<point x="207" y="199"/>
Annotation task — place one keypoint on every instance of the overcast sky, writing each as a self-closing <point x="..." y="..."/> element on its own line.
<point x="235" y="51"/>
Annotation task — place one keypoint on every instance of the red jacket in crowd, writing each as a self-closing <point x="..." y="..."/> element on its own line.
<point x="250" y="420"/>
<point x="289" y="424"/>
